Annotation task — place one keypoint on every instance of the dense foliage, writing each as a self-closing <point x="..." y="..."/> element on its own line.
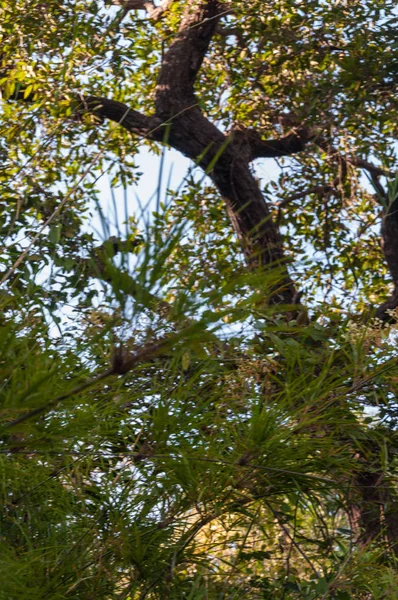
<point x="199" y="402"/>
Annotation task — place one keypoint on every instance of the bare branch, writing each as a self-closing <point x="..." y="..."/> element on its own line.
<point x="293" y="142"/>
<point x="149" y="127"/>
<point x="174" y="90"/>
<point x="154" y="12"/>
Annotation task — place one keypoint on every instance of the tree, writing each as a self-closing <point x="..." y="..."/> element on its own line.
<point x="242" y="439"/>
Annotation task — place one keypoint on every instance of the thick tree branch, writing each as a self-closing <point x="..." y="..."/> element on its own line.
<point x="149" y="127"/>
<point x="291" y="143"/>
<point x="375" y="503"/>
<point x="225" y="160"/>
<point x="174" y="90"/>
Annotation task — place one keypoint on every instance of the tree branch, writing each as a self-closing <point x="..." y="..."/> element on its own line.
<point x="224" y="159"/>
<point x="154" y="12"/>
<point x="149" y="127"/>
<point x="364" y="164"/>
<point x="291" y="143"/>
<point x="174" y="90"/>
<point x="122" y="363"/>
<point x="356" y="161"/>
<point x="317" y="189"/>
<point x="389" y="227"/>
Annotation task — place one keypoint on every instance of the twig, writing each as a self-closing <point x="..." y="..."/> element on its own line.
<point x="293" y="541"/>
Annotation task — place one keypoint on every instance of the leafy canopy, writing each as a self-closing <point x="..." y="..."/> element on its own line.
<point x="167" y="429"/>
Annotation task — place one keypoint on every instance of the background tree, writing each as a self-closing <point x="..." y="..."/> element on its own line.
<point x="196" y="431"/>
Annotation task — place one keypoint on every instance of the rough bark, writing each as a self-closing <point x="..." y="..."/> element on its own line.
<point x="149" y="127"/>
<point x="228" y="166"/>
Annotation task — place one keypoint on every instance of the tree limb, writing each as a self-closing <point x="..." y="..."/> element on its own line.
<point x="154" y="12"/>
<point x="149" y="127"/>
<point x="181" y="64"/>
<point x="364" y="164"/>
<point x="356" y="161"/>
<point x="389" y="236"/>
<point x="291" y="143"/>
<point x="389" y="227"/>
